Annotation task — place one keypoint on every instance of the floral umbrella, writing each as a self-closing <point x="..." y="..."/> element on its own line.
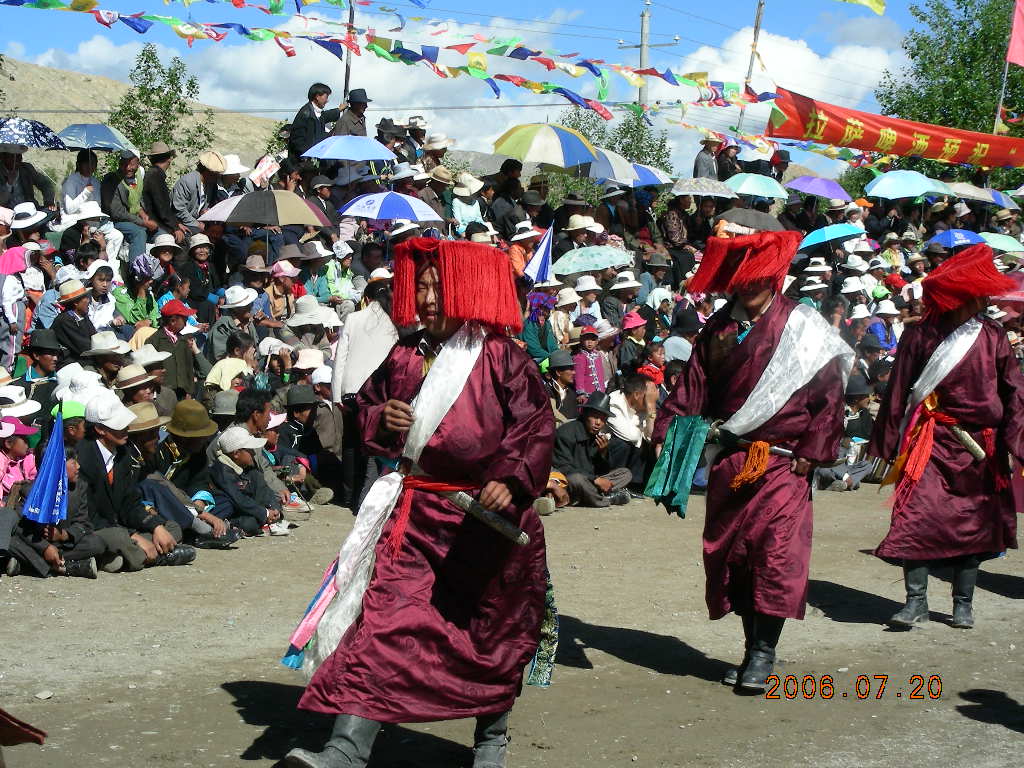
<point x="28" y="133"/>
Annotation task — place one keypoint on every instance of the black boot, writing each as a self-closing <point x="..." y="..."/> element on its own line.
<point x="965" y="576"/>
<point x="915" y="578"/>
<point x="182" y="554"/>
<point x="84" y="569"/>
<point x="349" y="746"/>
<point x="762" y="652"/>
<point x="732" y="675"/>
<point x="490" y="741"/>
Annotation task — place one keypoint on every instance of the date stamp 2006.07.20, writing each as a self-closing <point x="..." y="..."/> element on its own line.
<point x="862" y="687"/>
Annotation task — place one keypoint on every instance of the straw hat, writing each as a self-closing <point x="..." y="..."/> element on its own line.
<point x="233" y="165"/>
<point x="146" y="417"/>
<point x="212" y="161"/>
<point x="567" y="296"/>
<point x="437" y="141"/>
<point x="309" y="359"/>
<point x="578" y="221"/>
<point x="441" y="174"/>
<point x="148" y="355"/>
<point x="468" y="185"/>
<point x="130" y="376"/>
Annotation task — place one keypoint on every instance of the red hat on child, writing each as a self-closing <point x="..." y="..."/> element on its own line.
<point x="176" y="307"/>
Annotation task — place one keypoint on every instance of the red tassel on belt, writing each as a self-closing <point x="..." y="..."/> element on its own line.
<point x="410" y="484"/>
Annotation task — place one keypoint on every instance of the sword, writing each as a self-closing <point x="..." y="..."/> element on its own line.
<point x="493" y="520"/>
<point x="727" y="439"/>
<point x="968" y="442"/>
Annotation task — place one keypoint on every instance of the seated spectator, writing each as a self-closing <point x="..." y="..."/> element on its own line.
<point x="72" y="326"/>
<point x="672" y="370"/>
<point x="588" y="290"/>
<point x="566" y="303"/>
<point x="253" y="412"/>
<point x="559" y="381"/>
<point x="103" y="312"/>
<point x="282" y="298"/>
<point x="236" y="315"/>
<point x="682" y="333"/>
<point x="883" y="328"/>
<point x="17" y="462"/>
<point x="589" y="375"/>
<point x="121" y="199"/>
<point x="106" y="356"/>
<point x="537" y="334"/>
<point x="657" y="312"/>
<point x="40" y="377"/>
<point x="182" y="455"/>
<point x="153" y="361"/>
<point x="301" y="400"/>
<point x="134" y="300"/>
<point x="240" y="493"/>
<point x="652" y="367"/>
<point x="185" y="363"/>
<point x="581" y="454"/>
<point x="631" y="351"/>
<point x="634" y="408"/>
<point x="135" y="535"/>
<point x="204" y="281"/>
<point x="135" y="385"/>
<point x="232" y="371"/>
<point x="322" y="439"/>
<point x="851" y="466"/>
<point x="70" y="547"/>
<point x="225" y="405"/>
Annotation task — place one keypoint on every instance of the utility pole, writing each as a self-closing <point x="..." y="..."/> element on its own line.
<point x="753" y="55"/>
<point x="645" y="45"/>
<point x="348" y="51"/>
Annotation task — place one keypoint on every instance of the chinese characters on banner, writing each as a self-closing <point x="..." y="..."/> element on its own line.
<point x="799" y="117"/>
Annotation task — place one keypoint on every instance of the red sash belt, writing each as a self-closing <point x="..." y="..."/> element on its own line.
<point x="410" y="484"/>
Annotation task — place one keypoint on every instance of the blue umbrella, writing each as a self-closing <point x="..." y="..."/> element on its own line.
<point x="829" y="234"/>
<point x="538" y="268"/>
<point x="95" y="136"/>
<point x="28" y="133"/>
<point x="355" y="148"/>
<point x="1002" y="199"/>
<point x="47" y="501"/>
<point x="389" y="205"/>
<point x="649" y="176"/>
<point x="955" y="238"/>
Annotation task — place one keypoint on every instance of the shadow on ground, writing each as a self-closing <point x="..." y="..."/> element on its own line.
<point x="272" y="706"/>
<point x="994" y="707"/>
<point x="848" y="604"/>
<point x="658" y="653"/>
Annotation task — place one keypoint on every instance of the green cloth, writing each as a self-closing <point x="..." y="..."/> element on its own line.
<point x="673" y="473"/>
<point x="133" y="310"/>
<point x="134" y="196"/>
<point x="543" y="664"/>
<point x="540" y="341"/>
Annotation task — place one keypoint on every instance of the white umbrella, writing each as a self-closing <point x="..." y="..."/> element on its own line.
<point x="389" y="205"/>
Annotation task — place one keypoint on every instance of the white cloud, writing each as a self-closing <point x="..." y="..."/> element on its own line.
<point x="874" y="31"/>
<point x="15" y="49"/>
<point x="97" y="56"/>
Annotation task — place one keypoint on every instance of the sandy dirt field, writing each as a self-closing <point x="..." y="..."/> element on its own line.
<point x="179" y="666"/>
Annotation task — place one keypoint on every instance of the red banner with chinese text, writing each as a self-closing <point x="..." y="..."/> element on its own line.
<point x="800" y="117"/>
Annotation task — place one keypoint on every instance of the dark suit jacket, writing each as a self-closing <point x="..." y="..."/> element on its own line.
<point x="118" y="503"/>
<point x="576" y="452"/>
<point x="73" y="332"/>
<point x="309" y="130"/>
<point x="156" y="199"/>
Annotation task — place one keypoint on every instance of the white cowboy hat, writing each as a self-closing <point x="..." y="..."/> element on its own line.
<point x="578" y="221"/>
<point x="330" y="318"/>
<point x="596" y="227"/>
<point x="551" y="282"/>
<point x="817" y="265"/>
<point x="147" y="354"/>
<point x="813" y="284"/>
<point x="852" y="285"/>
<point x="877" y="263"/>
<point x="863" y="246"/>
<point x="437" y="141"/>
<point x="401" y="226"/>
<point x="90" y="209"/>
<point x="106" y="343"/>
<point x="855" y="263"/>
<point x="859" y="312"/>
<point x="417" y="122"/>
<point x="624" y="280"/>
<point x="307" y="312"/>
<point x="233" y="165"/>
<point x="586" y="283"/>
<point x="467" y="185"/>
<point x="524" y="231"/>
<point x="238" y="296"/>
<point x="567" y="296"/>
<point x="26" y="215"/>
<point x="886" y="307"/>
<point x="14" y="402"/>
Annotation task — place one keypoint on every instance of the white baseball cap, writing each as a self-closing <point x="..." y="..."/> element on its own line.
<point x="104" y="408"/>
<point x="322" y="375"/>
<point x="237" y="437"/>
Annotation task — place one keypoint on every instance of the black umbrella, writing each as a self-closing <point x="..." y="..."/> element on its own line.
<point x="748" y="217"/>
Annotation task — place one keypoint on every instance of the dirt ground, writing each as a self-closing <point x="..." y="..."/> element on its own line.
<point x="179" y="666"/>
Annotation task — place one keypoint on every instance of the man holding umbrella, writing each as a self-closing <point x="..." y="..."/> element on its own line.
<point x="18" y="179"/>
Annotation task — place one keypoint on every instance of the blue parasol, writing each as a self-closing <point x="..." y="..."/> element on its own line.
<point x="831" y="233"/>
<point x="538" y="268"/>
<point x="97" y="136"/>
<point x="354" y="148"/>
<point x="956" y="238"/>
<point x="47" y="501"/>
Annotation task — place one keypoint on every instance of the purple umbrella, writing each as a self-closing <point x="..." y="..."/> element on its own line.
<point x="819" y="187"/>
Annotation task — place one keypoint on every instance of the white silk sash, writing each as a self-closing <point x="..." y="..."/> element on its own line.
<point x="945" y="358"/>
<point x="441" y="387"/>
<point x="807" y="345"/>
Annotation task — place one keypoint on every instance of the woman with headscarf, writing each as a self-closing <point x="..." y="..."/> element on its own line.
<point x="657" y="311"/>
<point x="537" y="334"/>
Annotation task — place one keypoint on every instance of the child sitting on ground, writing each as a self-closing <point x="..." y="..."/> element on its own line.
<point x="240" y="494"/>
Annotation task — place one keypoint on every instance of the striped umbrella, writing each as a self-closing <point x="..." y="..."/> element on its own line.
<point x="389" y="205"/>
<point x="277" y="207"/>
<point x="546" y="143"/>
<point x="649" y="176"/>
<point x="611" y="166"/>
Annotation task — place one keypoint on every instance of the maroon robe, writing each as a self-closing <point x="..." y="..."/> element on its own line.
<point x="448" y="626"/>
<point x="757" y="539"/>
<point x="955" y="509"/>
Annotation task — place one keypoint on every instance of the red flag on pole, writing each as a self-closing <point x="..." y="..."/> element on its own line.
<point x="1015" y="51"/>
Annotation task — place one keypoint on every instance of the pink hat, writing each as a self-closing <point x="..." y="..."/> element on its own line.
<point x="283" y="268"/>
<point x="13" y="426"/>
<point x="632" y="320"/>
<point x="276" y="420"/>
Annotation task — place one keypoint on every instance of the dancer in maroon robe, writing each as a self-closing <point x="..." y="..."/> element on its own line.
<point x="450" y="622"/>
<point x="951" y="507"/>
<point x="757" y="531"/>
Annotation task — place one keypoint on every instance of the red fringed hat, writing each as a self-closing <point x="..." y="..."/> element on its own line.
<point x="968" y="275"/>
<point x="732" y="262"/>
<point x="477" y="282"/>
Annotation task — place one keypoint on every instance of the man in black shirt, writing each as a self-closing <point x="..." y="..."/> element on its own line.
<point x="581" y="454"/>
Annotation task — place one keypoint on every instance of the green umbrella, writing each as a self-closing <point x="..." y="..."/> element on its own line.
<point x="1004" y="243"/>
<point x="756" y="185"/>
<point x="591" y="258"/>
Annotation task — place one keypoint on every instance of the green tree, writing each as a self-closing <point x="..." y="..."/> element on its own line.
<point x="587" y="122"/>
<point x="275" y="143"/>
<point x="853" y="180"/>
<point x="636" y="140"/>
<point x="954" y="73"/>
<point x="159" y="107"/>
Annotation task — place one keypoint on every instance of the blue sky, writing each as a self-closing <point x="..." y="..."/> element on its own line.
<point x="828" y="49"/>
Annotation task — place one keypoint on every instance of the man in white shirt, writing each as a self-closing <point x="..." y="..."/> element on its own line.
<point x="631" y="423"/>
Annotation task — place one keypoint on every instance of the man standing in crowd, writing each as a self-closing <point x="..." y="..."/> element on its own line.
<point x="953" y="412"/>
<point x="757" y="533"/>
<point x="352" y="122"/>
<point x="309" y="126"/>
